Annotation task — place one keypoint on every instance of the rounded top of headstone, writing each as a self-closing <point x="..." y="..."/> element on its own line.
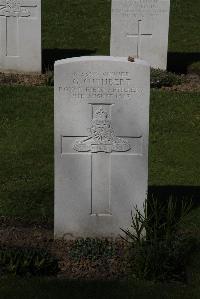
<point x="101" y="58"/>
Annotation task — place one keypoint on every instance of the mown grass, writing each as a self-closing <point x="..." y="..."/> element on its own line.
<point x="26" y="147"/>
<point x="184" y="26"/>
<point x="77" y="24"/>
<point x="53" y="288"/>
<point x="82" y="27"/>
<point x="26" y="142"/>
<point x="174" y="145"/>
<point x="85" y="24"/>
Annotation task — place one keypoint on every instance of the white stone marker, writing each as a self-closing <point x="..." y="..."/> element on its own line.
<point x="139" y="28"/>
<point x="101" y="144"/>
<point x="20" y="35"/>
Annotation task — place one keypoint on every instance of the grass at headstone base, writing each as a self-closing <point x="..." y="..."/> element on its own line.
<point x="26" y="176"/>
<point x="82" y="27"/>
<point x="26" y="147"/>
<point x="51" y="288"/>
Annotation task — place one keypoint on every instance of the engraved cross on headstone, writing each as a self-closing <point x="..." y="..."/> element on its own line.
<point x="12" y="11"/>
<point x="100" y="145"/>
<point x="139" y="35"/>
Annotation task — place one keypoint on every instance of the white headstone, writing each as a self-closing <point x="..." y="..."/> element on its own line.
<point x="20" y="35"/>
<point x="101" y="144"/>
<point x="139" y="28"/>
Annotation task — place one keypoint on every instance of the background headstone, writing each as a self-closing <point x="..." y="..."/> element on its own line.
<point x="139" y="28"/>
<point x="20" y="35"/>
<point x="101" y="144"/>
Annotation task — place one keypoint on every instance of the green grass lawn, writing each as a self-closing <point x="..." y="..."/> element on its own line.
<point x="184" y="26"/>
<point x="82" y="27"/>
<point x="174" y="144"/>
<point x="85" y="24"/>
<point x="62" y="289"/>
<point x="26" y="147"/>
<point x="77" y="24"/>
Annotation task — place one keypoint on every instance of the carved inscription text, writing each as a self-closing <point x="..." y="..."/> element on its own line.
<point x="140" y="8"/>
<point x="99" y="86"/>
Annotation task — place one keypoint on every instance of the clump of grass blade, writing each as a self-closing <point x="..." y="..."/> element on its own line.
<point x="159" y="251"/>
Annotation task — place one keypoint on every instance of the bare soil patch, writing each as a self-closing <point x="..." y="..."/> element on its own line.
<point x="191" y="84"/>
<point x="22" y="79"/>
<point x="14" y="233"/>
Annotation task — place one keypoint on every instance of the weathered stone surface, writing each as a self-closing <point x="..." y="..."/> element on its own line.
<point x="140" y="29"/>
<point x="20" y="35"/>
<point x="101" y="144"/>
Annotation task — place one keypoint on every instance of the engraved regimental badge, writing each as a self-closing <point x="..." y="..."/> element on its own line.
<point x="101" y="137"/>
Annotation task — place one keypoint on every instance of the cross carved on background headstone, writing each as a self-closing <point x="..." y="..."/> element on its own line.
<point x="139" y="35"/>
<point x="12" y="11"/>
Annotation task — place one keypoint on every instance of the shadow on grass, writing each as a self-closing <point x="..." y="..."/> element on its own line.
<point x="96" y="289"/>
<point x="29" y="207"/>
<point x="14" y="288"/>
<point x="179" y="62"/>
<point x="163" y="193"/>
<point x="49" y="56"/>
